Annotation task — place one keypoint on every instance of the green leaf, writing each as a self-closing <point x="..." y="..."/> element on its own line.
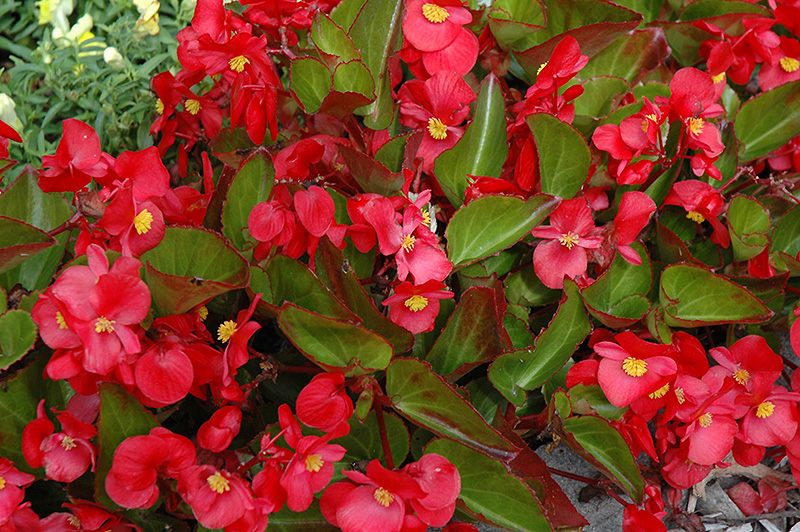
<point x="376" y="32"/>
<point x="692" y="296"/>
<point x="527" y="369"/>
<point x="354" y="77"/>
<point x="709" y="8"/>
<point x="332" y="40"/>
<point x="748" y="222"/>
<point x="590" y="399"/>
<point x="25" y="201"/>
<point x="19" y="242"/>
<point x="491" y="224"/>
<point x="191" y="266"/>
<point x="608" y="449"/>
<point x="370" y="174"/>
<point x="471" y="336"/>
<point x="429" y="401"/>
<point x="649" y="9"/>
<point x="513" y="20"/>
<point x="17" y="335"/>
<point x="310" y="82"/>
<point x="232" y="147"/>
<point x="599" y="96"/>
<point x="345" y="13"/>
<point x="617" y="299"/>
<point x="391" y="154"/>
<point x="483" y="148"/>
<point x="564" y="157"/>
<point x="292" y="281"/>
<point x="121" y="416"/>
<point x="311" y="519"/>
<point x="768" y="121"/>
<point x="629" y="56"/>
<point x="525" y="288"/>
<point x="490" y="492"/>
<point x="363" y="442"/>
<point x="334" y="344"/>
<point x="684" y="38"/>
<point x="340" y="279"/>
<point x="786" y="234"/>
<point x="251" y="185"/>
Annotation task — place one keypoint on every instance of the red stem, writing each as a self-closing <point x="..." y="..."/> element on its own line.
<point x="573" y="476"/>
<point x="387" y="450"/>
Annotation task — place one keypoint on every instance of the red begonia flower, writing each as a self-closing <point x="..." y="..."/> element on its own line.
<point x="323" y="403"/>
<point x="570" y="233"/>
<point x="164" y="373"/>
<point x="13" y="492"/>
<point x="138" y="226"/>
<point x="748" y="357"/>
<point x="310" y="470"/>
<point x="634" y="213"/>
<point x="702" y="202"/>
<point x="78" y="159"/>
<point x="415" y="307"/>
<point x="785" y="65"/>
<point x="217" y="433"/>
<point x="147" y="174"/>
<point x="217" y="498"/>
<point x="236" y="334"/>
<point x="431" y="25"/>
<point x="441" y="481"/>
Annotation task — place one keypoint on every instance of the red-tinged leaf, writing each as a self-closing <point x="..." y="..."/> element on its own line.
<point x="251" y="185"/>
<point x="334" y="344"/>
<point x="286" y="520"/>
<point x="121" y="416"/>
<point x="17" y="336"/>
<point x="371" y="175"/>
<point x="335" y="272"/>
<point x="692" y="296"/>
<point x="527" y="369"/>
<point x="564" y="157"/>
<point x="309" y="82"/>
<point x="428" y="400"/>
<point x="341" y="104"/>
<point x="19" y="242"/>
<point x="630" y="56"/>
<point x="594" y="23"/>
<point x="490" y="493"/>
<point x="363" y="442"/>
<point x="786" y="234"/>
<point x="472" y="335"/>
<point x="213" y="217"/>
<point x="232" y="147"/>
<point x="749" y="226"/>
<point x="332" y="40"/>
<point x="671" y="247"/>
<point x="746" y="498"/>
<point x="533" y="470"/>
<point x="189" y="267"/>
<point x="292" y="281"/>
<point x="768" y="121"/>
<point x="512" y="20"/>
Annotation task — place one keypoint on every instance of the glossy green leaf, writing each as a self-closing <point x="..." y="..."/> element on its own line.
<point x="331" y="39"/>
<point x="617" y="299"/>
<point x="608" y="449"/>
<point x="786" y="234"/>
<point x="471" y="336"/>
<point x="709" y="8"/>
<point x="649" y="9"/>
<point x="524" y="288"/>
<point x="121" y="416"/>
<point x="17" y="335"/>
<point x="189" y="267"/>
<point x="590" y="400"/>
<point x="24" y="200"/>
<point x="232" y="147"/>
<point x="345" y="13"/>
<point x="600" y="94"/>
<point x="527" y="369"/>
<point x="684" y="38"/>
<point x="749" y="226"/>
<point x="629" y="56"/>
<point x="391" y="154"/>
<point x="692" y="296"/>
<point x="334" y="344"/>
<point x="429" y="401"/>
<point x="310" y="81"/>
<point x="292" y="281"/>
<point x="490" y="492"/>
<point x="311" y="519"/>
<point x="564" y="157"/>
<point x="354" y="77"/>
<point x="340" y="279"/>
<point x="493" y="223"/>
<point x="376" y="33"/>
<point x="363" y="442"/>
<point x="483" y="148"/>
<point x="513" y="20"/>
<point x="251" y="185"/>
<point x="19" y="242"/>
<point x="370" y="174"/>
<point x="768" y="121"/>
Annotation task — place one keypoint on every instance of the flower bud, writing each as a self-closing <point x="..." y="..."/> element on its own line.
<point x="114" y="59"/>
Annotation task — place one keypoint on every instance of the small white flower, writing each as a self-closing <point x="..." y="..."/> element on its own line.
<point x="114" y="59"/>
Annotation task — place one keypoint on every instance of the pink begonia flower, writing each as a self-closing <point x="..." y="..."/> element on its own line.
<point x="217" y="433"/>
<point x="14" y="483"/>
<point x="217" y="498"/>
<point x="77" y="161"/>
<point x="702" y="202"/>
<point x="415" y="307"/>
<point x="746" y="358"/>
<point x="430" y="26"/>
<point x="323" y="403"/>
<point x="570" y="233"/>
<point x="633" y="215"/>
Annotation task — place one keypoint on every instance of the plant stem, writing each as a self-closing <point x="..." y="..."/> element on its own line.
<point x="387" y="450"/>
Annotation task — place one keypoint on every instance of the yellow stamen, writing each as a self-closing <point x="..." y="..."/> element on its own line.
<point x="705" y="420"/>
<point x="680" y="395"/>
<point x="383" y="497"/>
<point x="68" y="443"/>
<point x="143" y="222"/>
<point x="62" y="324"/>
<point x="218" y="483"/>
<point x="437" y="129"/>
<point x="661" y="392"/>
<point x="718" y="78"/>
<point x="635" y="367"/>
<point x="568" y="239"/>
<point x="696" y="125"/>
<point x="193" y="106"/>
<point x="159" y="106"/>
<point x="741" y="376"/>
<point x="416" y="303"/>
<point x="696" y="216"/>
<point x="104" y="324"/>
<point x="226" y="330"/>
<point x="2" y="482"/>
<point x="646" y="121"/>
<point x="314" y="463"/>
<point x="789" y="64"/>
<point x="238" y="63"/>
<point x="765" y="409"/>
<point x="434" y="13"/>
<point x="203" y="313"/>
<point x="426" y="218"/>
<point x="408" y="243"/>
<point x="541" y="67"/>
<point x="74" y="521"/>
